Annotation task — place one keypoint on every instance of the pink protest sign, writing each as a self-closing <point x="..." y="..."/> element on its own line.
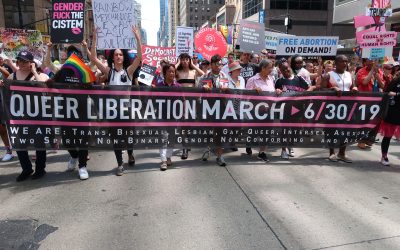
<point x="152" y="55"/>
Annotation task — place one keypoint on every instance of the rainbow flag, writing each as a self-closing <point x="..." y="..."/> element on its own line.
<point x="80" y="69"/>
<point x="226" y="32"/>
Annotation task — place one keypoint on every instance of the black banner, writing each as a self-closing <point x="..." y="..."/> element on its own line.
<point x="67" y="21"/>
<point x="97" y="117"/>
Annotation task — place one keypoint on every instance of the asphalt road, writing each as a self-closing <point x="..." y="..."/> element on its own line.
<point x="305" y="203"/>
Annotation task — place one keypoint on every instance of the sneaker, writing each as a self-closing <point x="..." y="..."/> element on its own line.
<point x="72" y="164"/>
<point x="206" y="155"/>
<point x="24" y="175"/>
<point x="83" y="173"/>
<point x="333" y="158"/>
<point x="39" y="173"/>
<point x="344" y="158"/>
<point x="291" y="152"/>
<point x="120" y="170"/>
<point x="7" y="157"/>
<point x="169" y="162"/>
<point x="221" y="162"/>
<point x="385" y="161"/>
<point x="163" y="166"/>
<point x="131" y="160"/>
<point x="263" y="156"/>
<point x="249" y="151"/>
<point x="284" y="155"/>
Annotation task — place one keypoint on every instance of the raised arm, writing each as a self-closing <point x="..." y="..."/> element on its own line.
<point x="47" y="59"/>
<point x="138" y="59"/>
<point x="93" y="55"/>
<point x="10" y="63"/>
<point x="4" y="72"/>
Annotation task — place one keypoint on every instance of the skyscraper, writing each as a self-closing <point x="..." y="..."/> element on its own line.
<point x="163" y="35"/>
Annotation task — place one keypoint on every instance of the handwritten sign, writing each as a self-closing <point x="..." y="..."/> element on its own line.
<point x="184" y="40"/>
<point x="17" y="40"/>
<point x="307" y="45"/>
<point x="67" y="21"/>
<point x="379" y="39"/>
<point x="114" y="20"/>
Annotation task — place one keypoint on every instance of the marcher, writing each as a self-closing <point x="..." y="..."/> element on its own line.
<point x="262" y="81"/>
<point x="27" y="72"/>
<point x="340" y="80"/>
<point x="169" y="73"/>
<point x="120" y="72"/>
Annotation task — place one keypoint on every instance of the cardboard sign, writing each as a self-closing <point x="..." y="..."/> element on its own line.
<point x="307" y="45"/>
<point x="251" y="36"/>
<point x="16" y="40"/>
<point x="210" y="42"/>
<point x="378" y="39"/>
<point x="67" y="21"/>
<point x="146" y="74"/>
<point x="114" y="20"/>
<point x="184" y="40"/>
<point x="152" y="55"/>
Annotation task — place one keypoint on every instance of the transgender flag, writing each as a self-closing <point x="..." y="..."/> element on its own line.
<point x="381" y="4"/>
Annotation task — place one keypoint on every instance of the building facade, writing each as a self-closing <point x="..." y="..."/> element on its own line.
<point x="163" y="35"/>
<point x="309" y="17"/>
<point x="194" y="13"/>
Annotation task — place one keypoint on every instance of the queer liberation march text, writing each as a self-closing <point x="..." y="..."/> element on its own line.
<point x="110" y="117"/>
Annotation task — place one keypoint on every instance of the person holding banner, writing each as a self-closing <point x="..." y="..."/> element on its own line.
<point x="289" y="82"/>
<point x="27" y="72"/>
<point x="119" y="71"/>
<point x="369" y="79"/>
<point x="169" y="73"/>
<point x="339" y="80"/>
<point x="296" y="64"/>
<point x="263" y="81"/>
<point x="390" y="126"/>
<point x="215" y="79"/>
<point x="187" y="75"/>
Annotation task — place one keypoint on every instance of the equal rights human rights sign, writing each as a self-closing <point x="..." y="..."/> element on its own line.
<point x="307" y="45"/>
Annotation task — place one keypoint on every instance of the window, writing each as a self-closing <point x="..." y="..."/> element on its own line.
<point x="11" y="17"/>
<point x="300" y="4"/>
<point x="251" y="7"/>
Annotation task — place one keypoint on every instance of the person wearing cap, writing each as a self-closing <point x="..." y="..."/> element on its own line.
<point x="262" y="81"/>
<point x="205" y="66"/>
<point x="27" y="72"/>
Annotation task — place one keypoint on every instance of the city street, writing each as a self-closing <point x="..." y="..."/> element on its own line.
<point x="305" y="203"/>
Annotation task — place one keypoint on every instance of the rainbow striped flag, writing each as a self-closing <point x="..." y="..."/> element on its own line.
<point x="80" y="69"/>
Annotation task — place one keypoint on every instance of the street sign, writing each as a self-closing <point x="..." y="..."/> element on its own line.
<point x="261" y="16"/>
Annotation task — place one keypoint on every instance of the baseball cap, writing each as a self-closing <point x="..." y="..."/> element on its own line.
<point x="25" y="56"/>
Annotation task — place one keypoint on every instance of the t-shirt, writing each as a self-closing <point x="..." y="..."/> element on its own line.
<point x="293" y="84"/>
<point x="342" y="81"/>
<point x="393" y="112"/>
<point x="361" y="75"/>
<point x="248" y="70"/>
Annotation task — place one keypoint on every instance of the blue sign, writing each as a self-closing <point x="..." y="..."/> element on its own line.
<point x="377" y="53"/>
<point x="261" y="16"/>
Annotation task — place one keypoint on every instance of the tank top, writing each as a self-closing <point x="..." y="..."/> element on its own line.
<point x="119" y="77"/>
<point x="342" y="81"/>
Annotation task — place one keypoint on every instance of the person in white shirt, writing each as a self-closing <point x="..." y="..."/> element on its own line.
<point x="297" y="66"/>
<point x="231" y="59"/>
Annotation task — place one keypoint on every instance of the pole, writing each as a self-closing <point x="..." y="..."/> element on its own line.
<point x="21" y="25"/>
<point x="287" y="16"/>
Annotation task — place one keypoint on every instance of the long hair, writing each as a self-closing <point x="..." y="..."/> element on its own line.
<point x="184" y="56"/>
<point x="125" y="63"/>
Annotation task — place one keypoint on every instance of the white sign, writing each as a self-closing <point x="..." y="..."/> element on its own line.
<point x="378" y="12"/>
<point x="114" y="20"/>
<point x="307" y="45"/>
<point x="184" y="40"/>
<point x="271" y="39"/>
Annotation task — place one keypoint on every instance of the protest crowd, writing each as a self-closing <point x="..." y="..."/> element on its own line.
<point x="260" y="71"/>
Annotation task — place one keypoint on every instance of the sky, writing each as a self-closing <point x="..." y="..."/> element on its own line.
<point x="150" y="19"/>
